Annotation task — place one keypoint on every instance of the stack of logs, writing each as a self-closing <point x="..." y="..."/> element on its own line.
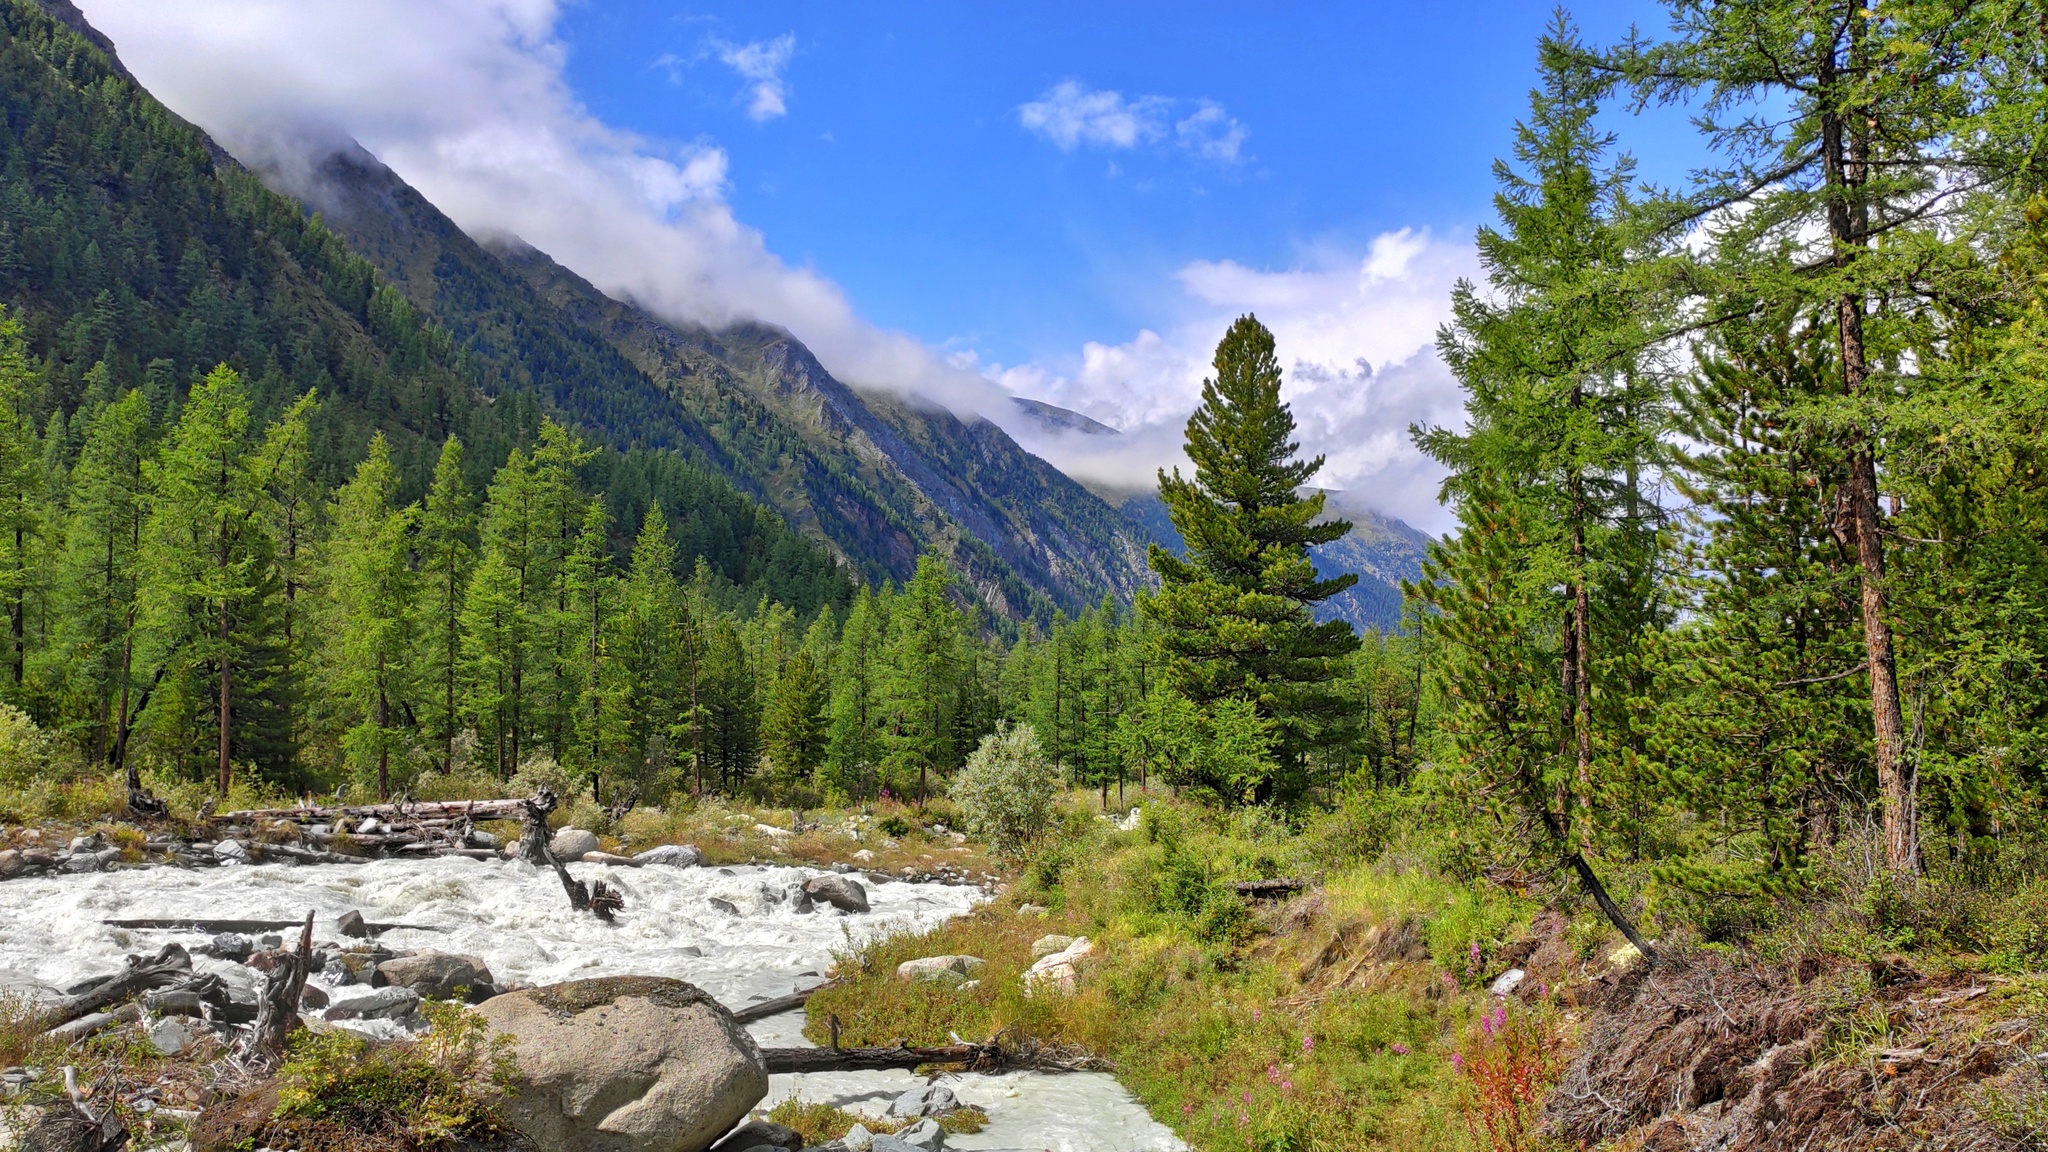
<point x="407" y="827"/>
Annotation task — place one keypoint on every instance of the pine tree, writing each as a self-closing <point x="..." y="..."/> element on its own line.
<point x="96" y="630"/>
<point x="206" y="561"/>
<point x="856" y="696"/>
<point x="372" y="614"/>
<point x="447" y="528"/>
<point x="291" y="510"/>
<point x="1235" y="613"/>
<point x="644" y="694"/>
<point x="1884" y="128"/>
<point x="21" y="493"/>
<point x="924" y="659"/>
<point x="796" y="722"/>
<point x="1559" y="421"/>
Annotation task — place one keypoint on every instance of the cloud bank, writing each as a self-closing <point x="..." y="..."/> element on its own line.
<point x="466" y="100"/>
<point x="1356" y="341"/>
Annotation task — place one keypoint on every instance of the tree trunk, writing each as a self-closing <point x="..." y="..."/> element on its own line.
<point x="226" y="689"/>
<point x="1844" y="159"/>
<point x="383" y="724"/>
<point x="1582" y="685"/>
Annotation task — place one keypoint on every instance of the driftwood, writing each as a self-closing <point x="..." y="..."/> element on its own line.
<point x="94" y="1022"/>
<point x="972" y="1057"/>
<point x="599" y="900"/>
<point x="169" y="966"/>
<point x="277" y="1010"/>
<point x="72" y="1127"/>
<point x="1268" y="889"/>
<point x="775" y="1007"/>
<point x="248" y="926"/>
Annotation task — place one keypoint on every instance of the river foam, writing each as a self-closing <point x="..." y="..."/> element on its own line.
<point x="517" y="919"/>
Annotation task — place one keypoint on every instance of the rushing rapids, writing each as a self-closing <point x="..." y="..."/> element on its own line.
<point x="513" y="916"/>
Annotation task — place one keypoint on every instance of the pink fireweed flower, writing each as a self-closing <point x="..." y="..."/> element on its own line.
<point x="1308" y="1045"/>
<point x="1273" y="1073"/>
<point x="1458" y="1061"/>
<point x="1400" y="1049"/>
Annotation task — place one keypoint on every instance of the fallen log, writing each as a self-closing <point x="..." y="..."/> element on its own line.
<point x="94" y="1022"/>
<point x="244" y="927"/>
<point x="1268" y="889"/>
<point x="972" y="1057"/>
<point x="775" y="1007"/>
<point x="170" y="965"/>
<point x="414" y="811"/>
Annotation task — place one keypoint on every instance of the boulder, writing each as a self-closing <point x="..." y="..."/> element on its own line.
<point x="1047" y="945"/>
<point x="838" y="891"/>
<point x="925" y="1135"/>
<point x="478" y="838"/>
<point x="434" y="975"/>
<point x="771" y="831"/>
<point x="858" y="1139"/>
<point x="946" y="969"/>
<point x="388" y="1003"/>
<point x="626" y="1064"/>
<point x="891" y="1143"/>
<point x="231" y="852"/>
<point x="82" y="862"/>
<point x="1059" y="970"/>
<point x="174" y="1035"/>
<point x="1507" y="982"/>
<point x="572" y="843"/>
<point x="350" y="923"/>
<point x="229" y="946"/>
<point x="672" y="855"/>
<point x="930" y="1100"/>
<point x="723" y="905"/>
<point x="760" y="1134"/>
<point x="313" y="997"/>
<point x="10" y="864"/>
<point x="611" y="858"/>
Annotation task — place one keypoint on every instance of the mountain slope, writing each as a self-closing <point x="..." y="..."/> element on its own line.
<point x="136" y="254"/>
<point x="878" y="478"/>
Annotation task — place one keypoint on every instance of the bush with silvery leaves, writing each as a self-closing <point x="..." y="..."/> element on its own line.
<point x="1007" y="792"/>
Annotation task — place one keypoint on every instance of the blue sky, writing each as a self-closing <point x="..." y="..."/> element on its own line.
<point x="899" y="165"/>
<point x="966" y="202"/>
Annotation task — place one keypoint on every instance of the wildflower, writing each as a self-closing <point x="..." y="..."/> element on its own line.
<point x="1308" y="1045"/>
<point x="1273" y="1073"/>
<point x="1287" y="1085"/>
<point x="1400" y="1049"/>
<point x="1458" y="1061"/>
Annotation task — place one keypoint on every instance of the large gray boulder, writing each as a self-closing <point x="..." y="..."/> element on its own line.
<point x="436" y="975"/>
<point x="838" y="891"/>
<point x="571" y="843"/>
<point x="672" y="855"/>
<point x="626" y="1064"/>
<point x="381" y="1004"/>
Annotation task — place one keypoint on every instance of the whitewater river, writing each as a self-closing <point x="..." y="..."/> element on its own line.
<point x="516" y="918"/>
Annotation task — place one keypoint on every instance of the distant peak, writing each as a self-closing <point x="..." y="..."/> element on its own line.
<point x="1053" y="418"/>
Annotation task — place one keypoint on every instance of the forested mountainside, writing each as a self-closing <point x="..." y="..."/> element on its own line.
<point x="136" y="254"/>
<point x="1380" y="550"/>
<point x="879" y="479"/>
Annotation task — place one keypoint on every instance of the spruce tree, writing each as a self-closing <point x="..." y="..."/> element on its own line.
<point x="1235" y="613"/>
<point x="925" y="632"/>
<point x="96" y="630"/>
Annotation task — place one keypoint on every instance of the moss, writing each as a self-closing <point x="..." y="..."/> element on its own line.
<point x="580" y="996"/>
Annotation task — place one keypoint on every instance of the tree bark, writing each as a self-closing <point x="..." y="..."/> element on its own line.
<point x="168" y="966"/>
<point x="226" y="688"/>
<point x="277" y="1010"/>
<point x="1845" y="149"/>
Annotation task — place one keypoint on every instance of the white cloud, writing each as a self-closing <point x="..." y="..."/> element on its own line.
<point x="466" y="100"/>
<point x="762" y="63"/>
<point x="1071" y="115"/>
<point x="1356" y="337"/>
<point x="1211" y="133"/>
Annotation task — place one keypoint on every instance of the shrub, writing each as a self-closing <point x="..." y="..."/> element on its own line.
<point x="1006" y="793"/>
<point x="26" y="751"/>
<point x="338" y="1090"/>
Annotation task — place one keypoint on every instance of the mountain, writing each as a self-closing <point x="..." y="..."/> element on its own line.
<point x="135" y="253"/>
<point x="875" y="476"/>
<point x="1056" y="420"/>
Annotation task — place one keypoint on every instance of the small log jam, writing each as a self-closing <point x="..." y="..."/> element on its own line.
<point x="1268" y="889"/>
<point x="170" y="965"/>
<point x="411" y="812"/>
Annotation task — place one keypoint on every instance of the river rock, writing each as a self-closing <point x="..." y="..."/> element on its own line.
<point x="1047" y="945"/>
<point x="388" y="1003"/>
<point x="1507" y="982"/>
<point x="229" y="946"/>
<point x="760" y="1134"/>
<point x="672" y="855"/>
<point x="313" y="996"/>
<point x="478" y="838"/>
<point x="626" y="1064"/>
<point x="723" y="905"/>
<point x="231" y="852"/>
<point x="838" y="891"/>
<point x="350" y="923"/>
<point x="1058" y="971"/>
<point x="10" y="864"/>
<point x="611" y="858"/>
<point x="433" y="974"/>
<point x="925" y="1135"/>
<point x="891" y="1143"/>
<point x="572" y="843"/>
<point x="946" y="969"/>
<point x="857" y="1139"/>
<point x="82" y="862"/>
<point x="174" y="1035"/>
<point x="930" y="1100"/>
